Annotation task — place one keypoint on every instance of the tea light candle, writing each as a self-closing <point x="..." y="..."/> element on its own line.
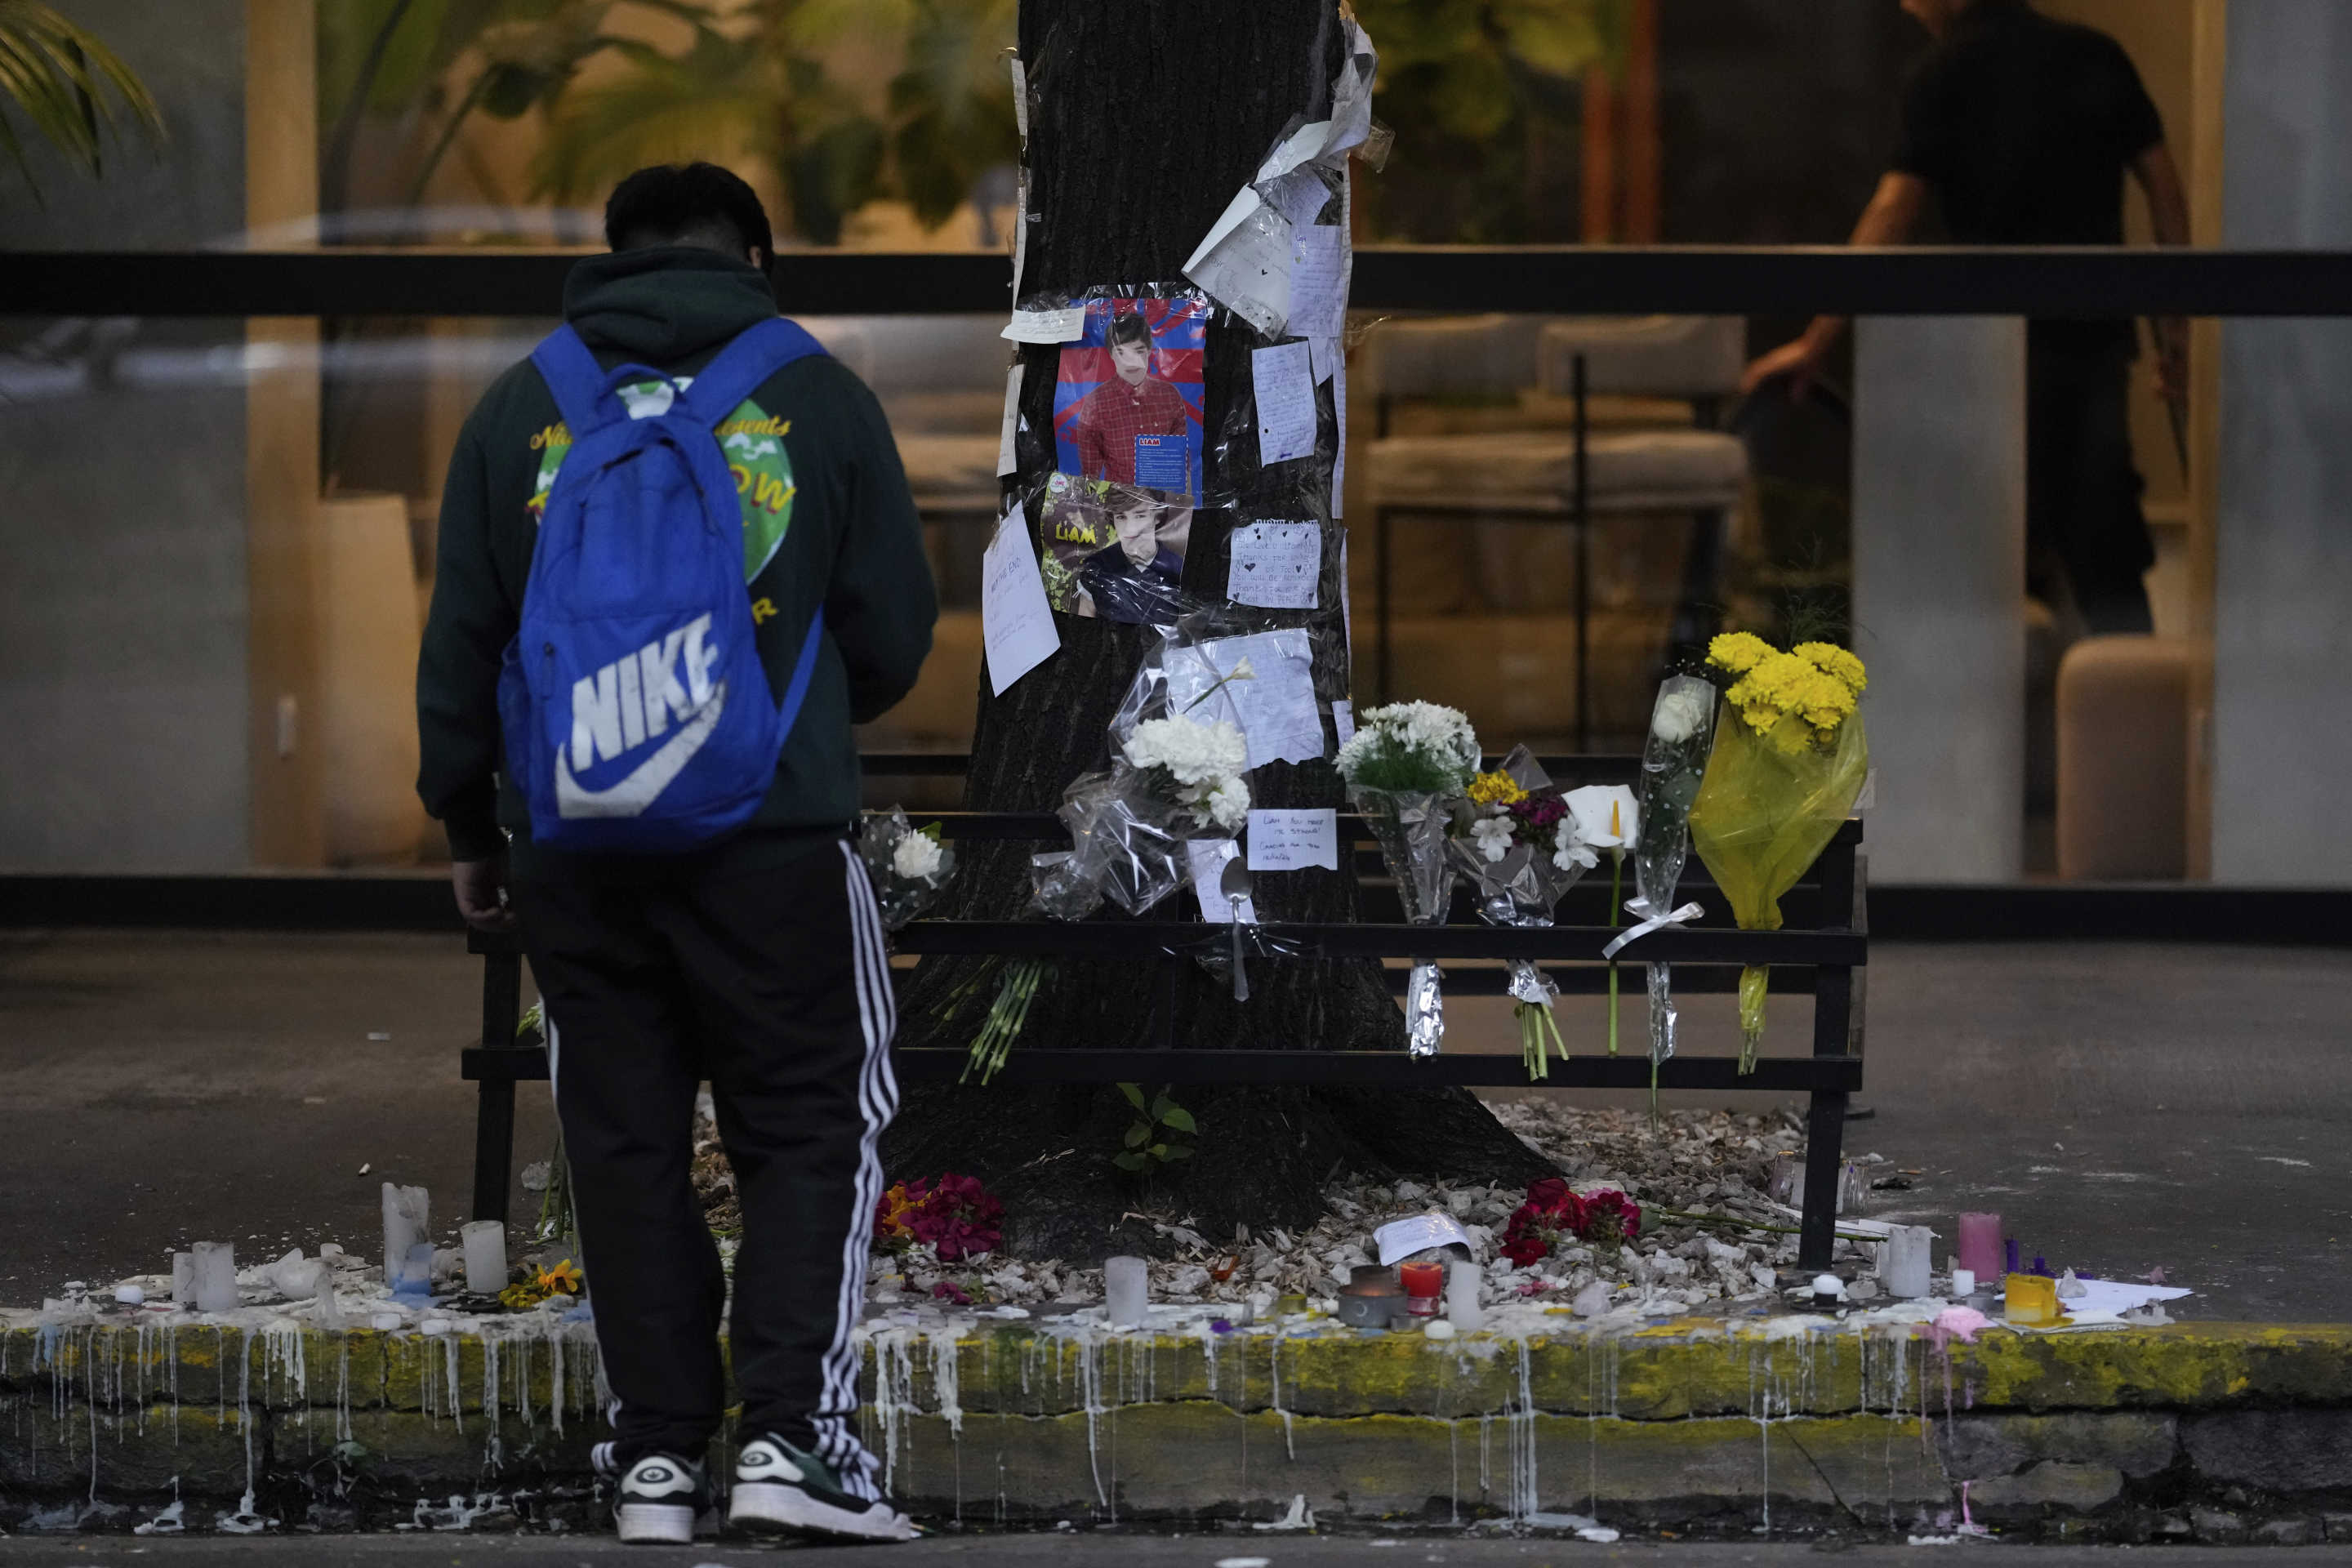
<point x="1964" y="1282"/>
<point x="1980" y="1244"/>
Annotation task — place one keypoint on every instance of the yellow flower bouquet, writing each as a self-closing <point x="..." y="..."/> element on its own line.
<point x="1788" y="760"/>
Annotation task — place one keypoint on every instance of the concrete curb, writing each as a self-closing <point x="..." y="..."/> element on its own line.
<point x="2219" y="1431"/>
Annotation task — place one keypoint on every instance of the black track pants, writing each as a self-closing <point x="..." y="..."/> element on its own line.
<point x="770" y="981"/>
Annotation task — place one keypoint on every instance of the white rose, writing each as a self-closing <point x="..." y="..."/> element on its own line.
<point x="1681" y="713"/>
<point x="917" y="858"/>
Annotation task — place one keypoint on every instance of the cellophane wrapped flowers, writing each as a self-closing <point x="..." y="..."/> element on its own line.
<point x="909" y="866"/>
<point x="1405" y="765"/>
<point x="1515" y="840"/>
<point x="1789" y="761"/>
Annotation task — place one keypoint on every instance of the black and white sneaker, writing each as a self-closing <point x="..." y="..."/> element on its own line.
<point x="665" y="1500"/>
<point x="780" y="1488"/>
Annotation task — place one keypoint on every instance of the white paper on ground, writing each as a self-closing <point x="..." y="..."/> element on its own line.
<point x="1209" y="857"/>
<point x="1343" y="720"/>
<point x="2117" y="1296"/>
<point x="1275" y="566"/>
<point x="1283" y="380"/>
<point x="1293" y="840"/>
<point x="1318" y="281"/>
<point x="1016" y="624"/>
<point x="1405" y="1237"/>
<point x="1274" y="710"/>
<point x="1005" y="461"/>
<point x="1044" y="326"/>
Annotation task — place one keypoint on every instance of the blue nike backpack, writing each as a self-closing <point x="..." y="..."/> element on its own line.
<point x="637" y="716"/>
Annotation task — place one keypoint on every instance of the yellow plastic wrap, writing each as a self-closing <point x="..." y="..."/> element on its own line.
<point x="1767" y="809"/>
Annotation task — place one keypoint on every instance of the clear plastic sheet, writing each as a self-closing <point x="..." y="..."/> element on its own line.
<point x="909" y="868"/>
<point x="1521" y="890"/>
<point x="1674" y="760"/>
<point x="1411" y="832"/>
<point x="1125" y="846"/>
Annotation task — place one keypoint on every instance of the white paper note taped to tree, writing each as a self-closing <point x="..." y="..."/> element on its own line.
<point x="1300" y="195"/>
<point x="1323" y="354"/>
<point x="1275" y="566"/>
<point x="1046" y="326"/>
<point x="1343" y="720"/>
<point x="1016" y="624"/>
<point x="1340" y="448"/>
<point x="1273" y="709"/>
<point x="1284" y="377"/>
<point x="1319" y="282"/>
<point x="1005" y="461"/>
<point x="1209" y="858"/>
<point x="1293" y="840"/>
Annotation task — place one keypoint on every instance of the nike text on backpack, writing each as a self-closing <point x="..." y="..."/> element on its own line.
<point x="636" y="709"/>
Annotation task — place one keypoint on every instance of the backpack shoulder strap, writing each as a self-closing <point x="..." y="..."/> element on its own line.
<point x="757" y="353"/>
<point x="577" y="381"/>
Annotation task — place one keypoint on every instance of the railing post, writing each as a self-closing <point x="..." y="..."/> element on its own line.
<point x="494" y="1117"/>
<point x="1825" y="1115"/>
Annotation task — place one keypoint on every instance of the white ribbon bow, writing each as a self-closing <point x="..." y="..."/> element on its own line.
<point x="1683" y="916"/>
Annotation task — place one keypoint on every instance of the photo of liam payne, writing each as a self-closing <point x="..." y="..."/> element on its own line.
<point x="1132" y="403"/>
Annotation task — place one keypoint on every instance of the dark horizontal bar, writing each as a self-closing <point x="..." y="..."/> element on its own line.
<point x="954" y="764"/>
<point x="420" y="902"/>
<point x="1392" y="1069"/>
<point x="1039" y="826"/>
<point x="1554" y="944"/>
<point x="2084" y="283"/>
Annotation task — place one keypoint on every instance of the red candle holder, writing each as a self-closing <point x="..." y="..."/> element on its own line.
<point x="1424" y="1284"/>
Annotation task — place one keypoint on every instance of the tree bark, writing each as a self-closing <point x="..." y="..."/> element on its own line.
<point x="1146" y="116"/>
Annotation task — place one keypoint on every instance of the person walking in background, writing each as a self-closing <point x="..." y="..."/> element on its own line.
<point x="679" y="868"/>
<point x="2022" y="130"/>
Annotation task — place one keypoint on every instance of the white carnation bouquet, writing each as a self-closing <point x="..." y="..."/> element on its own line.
<point x="1198" y="766"/>
<point x="909" y="866"/>
<point x="1406" y="766"/>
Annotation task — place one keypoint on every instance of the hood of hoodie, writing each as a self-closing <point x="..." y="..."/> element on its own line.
<point x="665" y="304"/>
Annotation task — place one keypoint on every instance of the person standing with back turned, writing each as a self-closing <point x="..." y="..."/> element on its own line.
<point x="678" y="560"/>
<point x="2022" y="128"/>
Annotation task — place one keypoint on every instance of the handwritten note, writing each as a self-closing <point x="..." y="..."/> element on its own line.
<point x="1300" y="195"/>
<point x="1273" y="709"/>
<point x="1285" y="378"/>
<point x="1318" y="281"/>
<point x="1402" y="1238"/>
<point x="1323" y="354"/>
<point x="1293" y="840"/>
<point x="1209" y="858"/>
<point x="1339" y="437"/>
<point x="1046" y="326"/>
<point x="1347" y="600"/>
<point x="1016" y="625"/>
<point x="1005" y="461"/>
<point x="1275" y="566"/>
<point x="1343" y="720"/>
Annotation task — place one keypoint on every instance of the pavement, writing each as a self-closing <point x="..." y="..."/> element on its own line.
<point x="1086" y="1549"/>
<point x="2124" y="1105"/>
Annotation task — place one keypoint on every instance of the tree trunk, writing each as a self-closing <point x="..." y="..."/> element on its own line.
<point x="1146" y="117"/>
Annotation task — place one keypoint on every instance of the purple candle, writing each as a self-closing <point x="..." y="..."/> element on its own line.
<point x="1981" y="1245"/>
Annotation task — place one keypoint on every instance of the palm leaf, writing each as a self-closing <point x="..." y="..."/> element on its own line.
<point x="71" y="89"/>
<point x="716" y="100"/>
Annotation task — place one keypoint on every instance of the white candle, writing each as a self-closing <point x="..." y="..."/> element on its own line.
<point x="184" y="1278"/>
<point x="485" y="1257"/>
<point x="1964" y="1282"/>
<point x="1127" y="1290"/>
<point x="214" y="1275"/>
<point x="407" y="1220"/>
<point x="1462" y="1309"/>
<point x="1905" y="1268"/>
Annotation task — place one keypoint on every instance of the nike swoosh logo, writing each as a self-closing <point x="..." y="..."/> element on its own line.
<point x="631" y="795"/>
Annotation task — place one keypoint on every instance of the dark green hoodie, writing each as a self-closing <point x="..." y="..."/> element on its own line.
<point x="827" y="515"/>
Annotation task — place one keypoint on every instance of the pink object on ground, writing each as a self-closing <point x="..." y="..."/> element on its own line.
<point x="1981" y="1246"/>
<point x="1961" y="1323"/>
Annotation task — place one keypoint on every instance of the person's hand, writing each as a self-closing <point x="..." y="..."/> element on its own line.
<point x="481" y="887"/>
<point x="2172" y="359"/>
<point x="1800" y="360"/>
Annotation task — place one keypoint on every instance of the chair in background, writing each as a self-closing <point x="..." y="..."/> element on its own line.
<point x="1487" y="419"/>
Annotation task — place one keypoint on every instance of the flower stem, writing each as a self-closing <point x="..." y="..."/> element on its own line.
<point x="1616" y="902"/>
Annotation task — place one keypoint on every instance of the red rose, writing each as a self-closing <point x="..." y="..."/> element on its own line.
<point x="1610" y="1217"/>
